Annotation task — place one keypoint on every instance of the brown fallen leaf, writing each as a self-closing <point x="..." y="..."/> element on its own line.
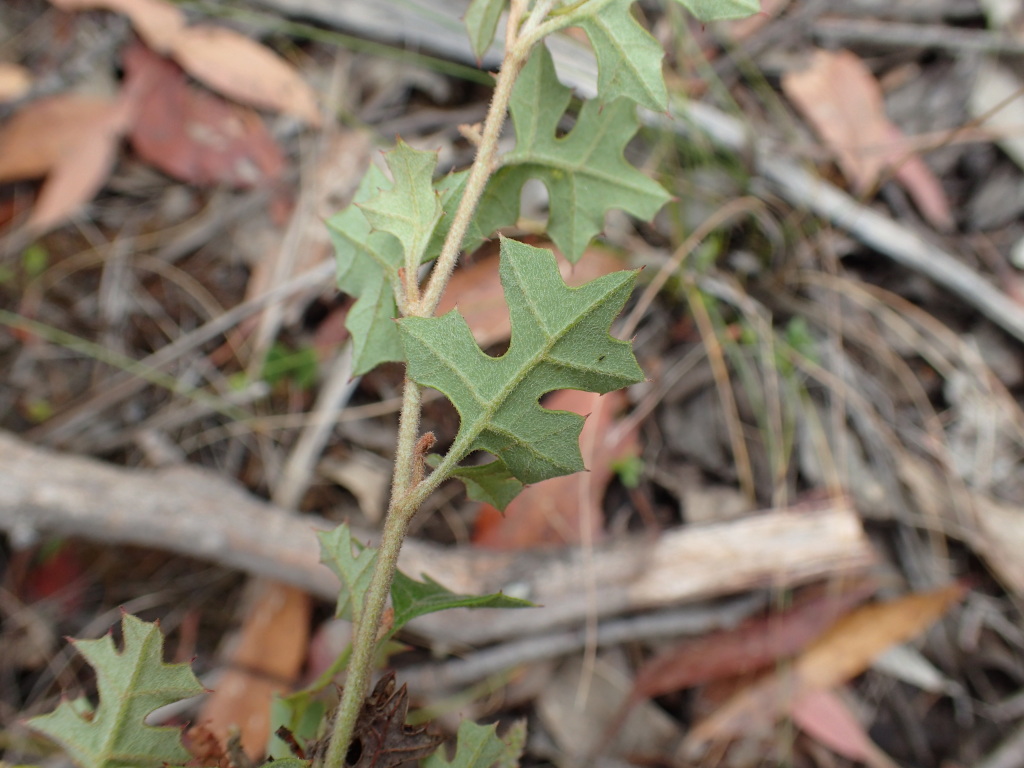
<point x="266" y="661"/>
<point x="196" y="136"/>
<point x="843" y="652"/>
<point x="15" y="82"/>
<point x="824" y="716"/>
<point x="754" y="644"/>
<point x="245" y="71"/>
<point x="564" y="510"/>
<point x="157" y="22"/>
<point x="39" y="134"/>
<point x="70" y="139"/>
<point x="222" y="59"/>
<point x="842" y="100"/>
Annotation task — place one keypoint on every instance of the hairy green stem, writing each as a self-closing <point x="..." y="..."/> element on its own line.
<point x="517" y="51"/>
<point x="360" y="668"/>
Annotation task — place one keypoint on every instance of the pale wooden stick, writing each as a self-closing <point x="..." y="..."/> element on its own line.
<point x="196" y="513"/>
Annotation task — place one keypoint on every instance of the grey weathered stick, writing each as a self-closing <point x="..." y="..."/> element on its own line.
<point x="199" y="514"/>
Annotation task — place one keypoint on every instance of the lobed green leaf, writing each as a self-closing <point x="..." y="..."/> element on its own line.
<point x="409" y="209"/>
<point x="560" y="340"/>
<point x="131" y="684"/>
<point x="388" y="224"/>
<point x="628" y="57"/>
<point x="479" y="746"/>
<point x="584" y="171"/>
<point x="353" y="563"/>
<point x="367" y="264"/>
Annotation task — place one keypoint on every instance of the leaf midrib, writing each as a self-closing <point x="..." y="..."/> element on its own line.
<point x="465" y="440"/>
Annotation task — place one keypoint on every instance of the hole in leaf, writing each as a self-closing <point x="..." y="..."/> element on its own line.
<point x="355" y="751"/>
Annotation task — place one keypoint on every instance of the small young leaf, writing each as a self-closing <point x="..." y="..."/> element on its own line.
<point x="368" y="265"/>
<point x="585" y="171"/>
<point x="560" y="340"/>
<point x="717" y="10"/>
<point x="628" y="58"/>
<point x="490" y="483"/>
<point x="478" y="746"/>
<point x="131" y="683"/>
<point x="352" y="563"/>
<point x="481" y="22"/>
<point x="410" y="208"/>
<point x="411" y="598"/>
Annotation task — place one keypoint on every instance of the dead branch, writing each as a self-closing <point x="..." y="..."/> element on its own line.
<point x="196" y="513"/>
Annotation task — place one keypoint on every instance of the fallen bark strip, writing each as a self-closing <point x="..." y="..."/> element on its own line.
<point x="196" y="513"/>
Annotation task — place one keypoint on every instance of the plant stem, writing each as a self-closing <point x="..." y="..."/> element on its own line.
<point x="517" y="51"/>
<point x="405" y="496"/>
<point x="364" y="646"/>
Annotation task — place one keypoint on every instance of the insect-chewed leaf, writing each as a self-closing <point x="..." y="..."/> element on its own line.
<point x="132" y="683"/>
<point x="560" y="340"/>
<point x="584" y="171"/>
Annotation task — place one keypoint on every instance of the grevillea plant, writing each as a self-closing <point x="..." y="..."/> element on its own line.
<point x="560" y="339"/>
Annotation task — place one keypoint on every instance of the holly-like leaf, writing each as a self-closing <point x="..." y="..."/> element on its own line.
<point x="131" y="684"/>
<point x="584" y="171"/>
<point x="490" y="483"/>
<point x="628" y="57"/>
<point x="367" y="264"/>
<point x="717" y="10"/>
<point x="479" y="746"/>
<point x="353" y="563"/>
<point x="481" y="22"/>
<point x="560" y="340"/>
<point x="410" y="208"/>
<point x="411" y="598"/>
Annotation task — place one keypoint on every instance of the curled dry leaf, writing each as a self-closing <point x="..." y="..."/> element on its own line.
<point x="157" y="22"/>
<point x="196" y="136"/>
<point x="381" y="738"/>
<point x="243" y="70"/>
<point x="842" y="101"/>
